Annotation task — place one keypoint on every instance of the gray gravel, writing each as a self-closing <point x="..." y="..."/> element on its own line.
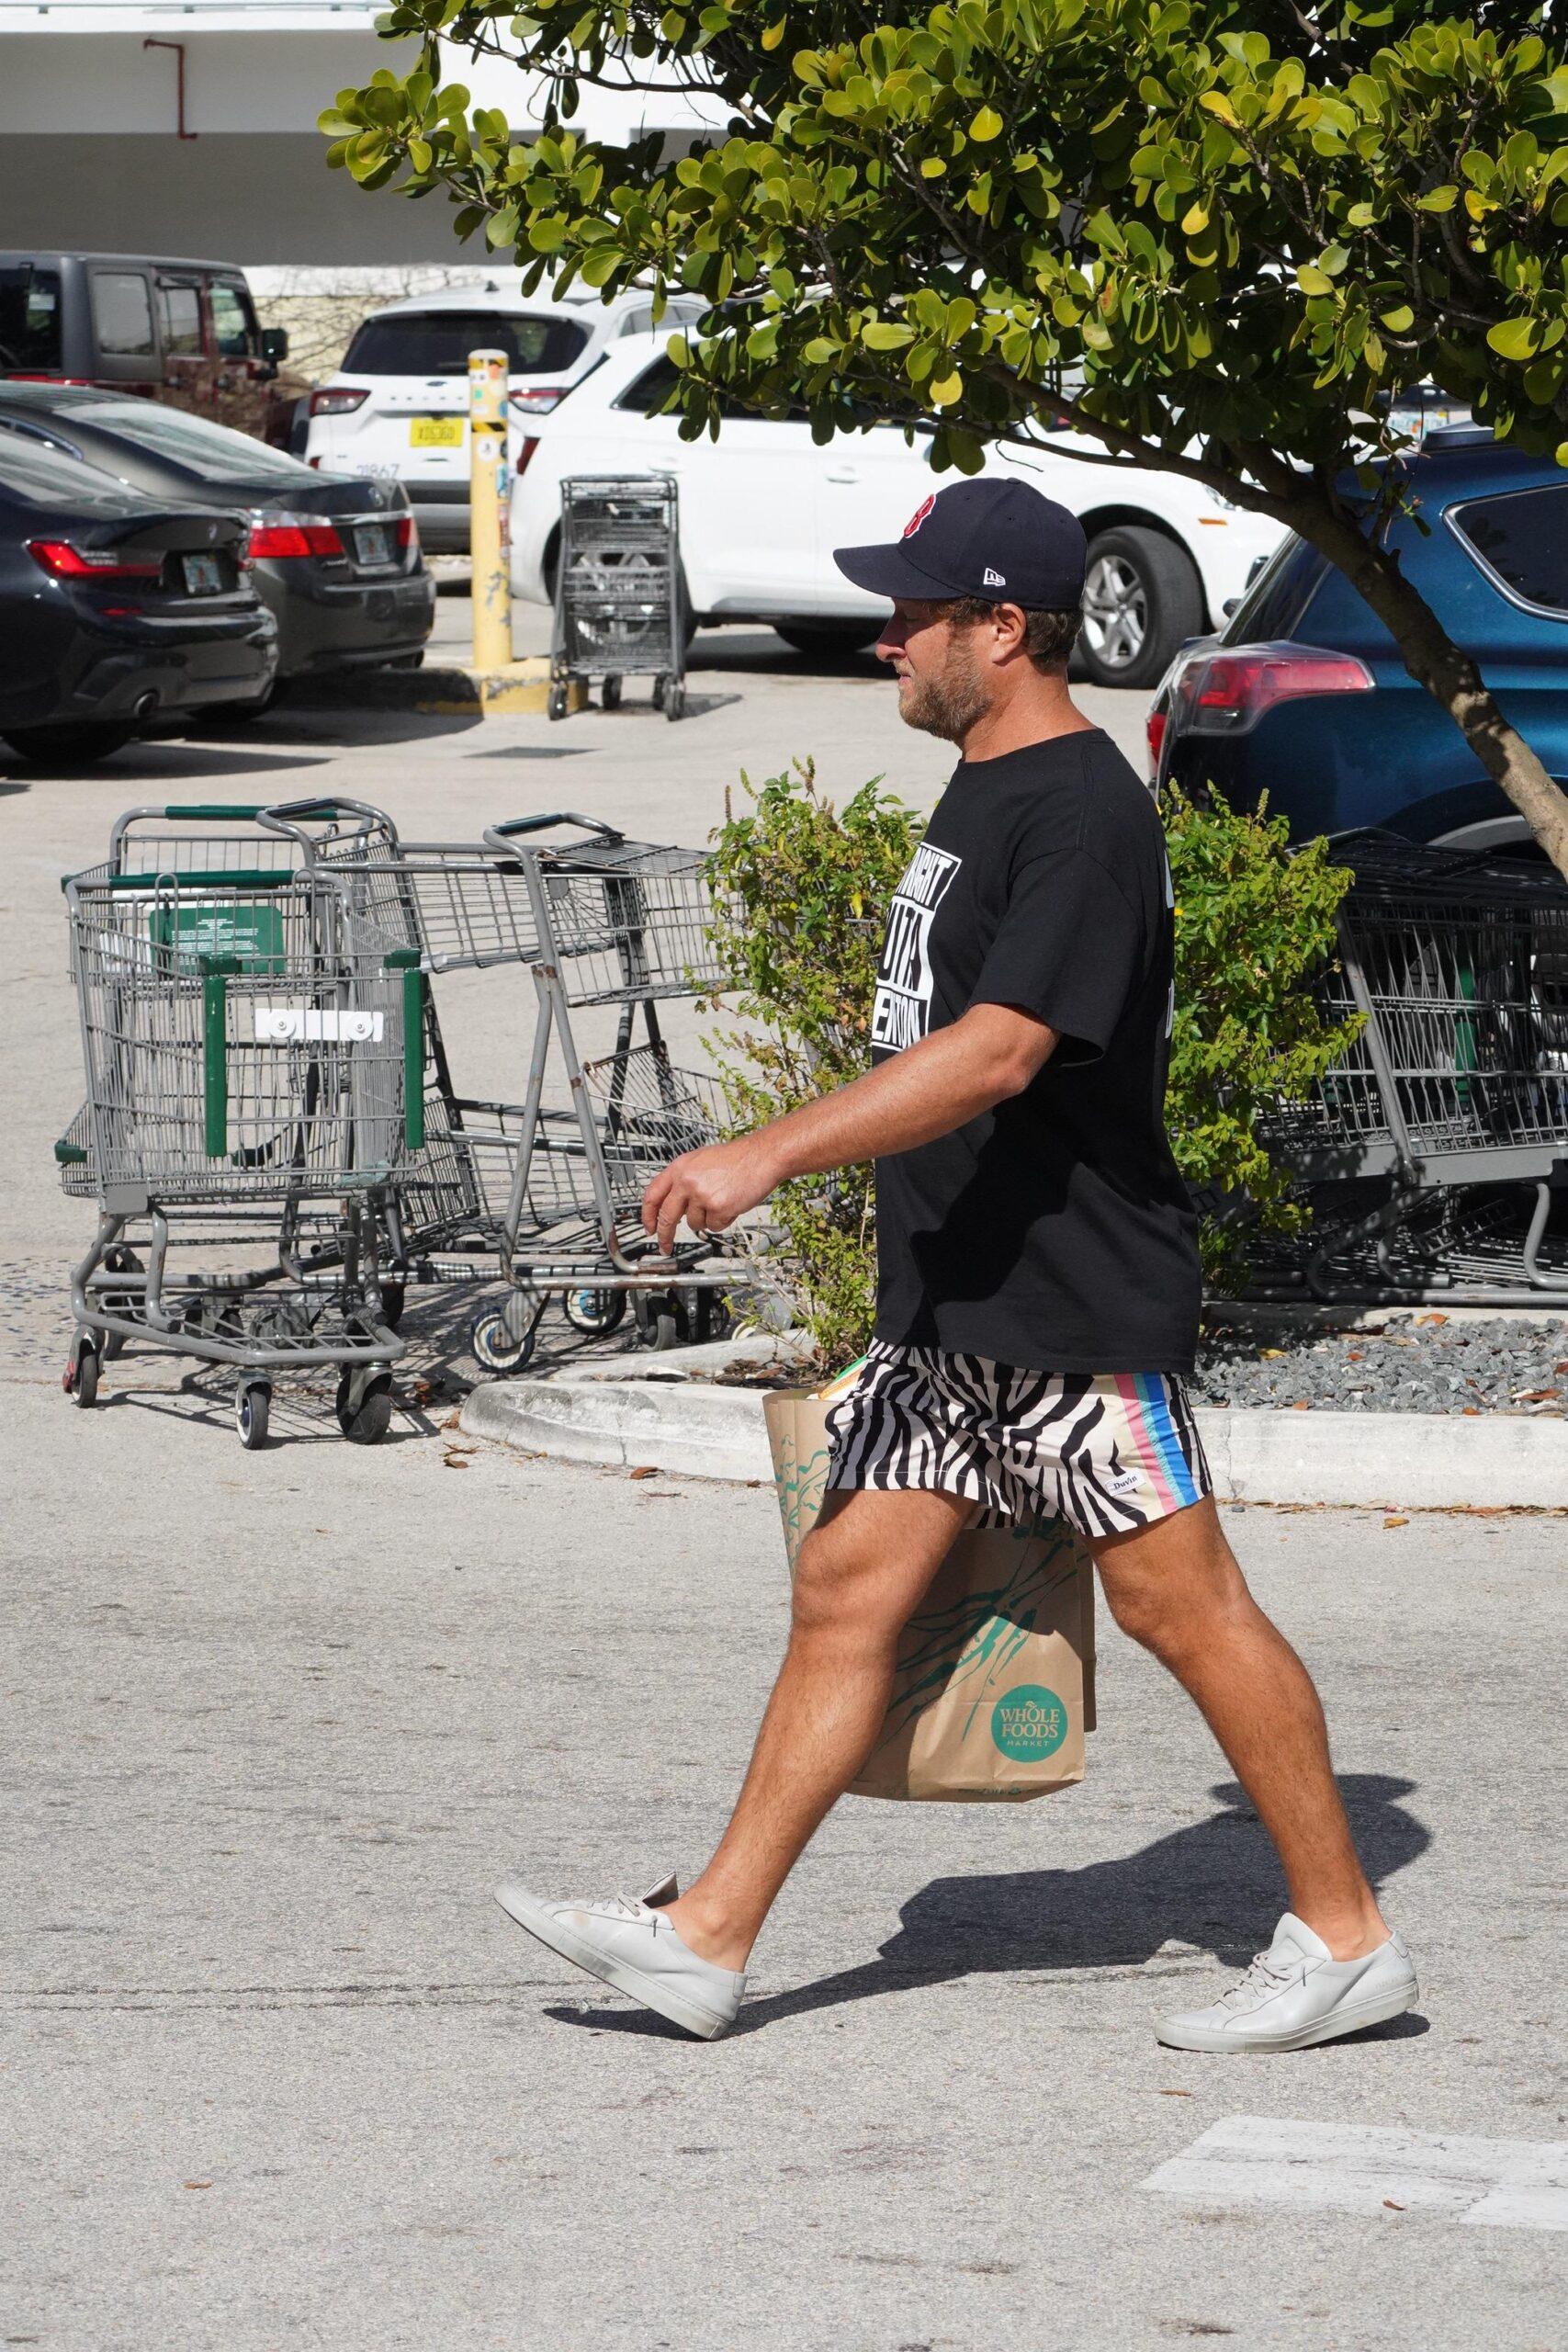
<point x="1431" y="1363"/>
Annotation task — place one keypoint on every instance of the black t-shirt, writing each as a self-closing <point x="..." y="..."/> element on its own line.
<point x="1053" y="1232"/>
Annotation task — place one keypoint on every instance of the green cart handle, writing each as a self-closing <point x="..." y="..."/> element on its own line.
<point x="213" y="812"/>
<point x="561" y="817"/>
<point x="282" y="816"/>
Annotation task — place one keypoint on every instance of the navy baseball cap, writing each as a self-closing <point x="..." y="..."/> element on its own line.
<point x="1001" y="540"/>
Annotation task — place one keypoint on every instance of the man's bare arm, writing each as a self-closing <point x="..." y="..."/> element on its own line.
<point x="990" y="1054"/>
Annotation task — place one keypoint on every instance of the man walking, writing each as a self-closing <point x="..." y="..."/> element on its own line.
<point x="1037" y="1301"/>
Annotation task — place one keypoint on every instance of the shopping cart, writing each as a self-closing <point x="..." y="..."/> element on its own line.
<point x="620" y="608"/>
<point x="252" y="1045"/>
<point x="626" y="925"/>
<point x="1457" y="964"/>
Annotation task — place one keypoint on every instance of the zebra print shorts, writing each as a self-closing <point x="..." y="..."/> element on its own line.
<point x="1107" y="1451"/>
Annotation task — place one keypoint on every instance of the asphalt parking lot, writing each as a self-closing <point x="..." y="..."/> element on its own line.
<point x="277" y="2072"/>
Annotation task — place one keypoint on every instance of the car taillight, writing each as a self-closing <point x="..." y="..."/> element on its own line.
<point x="408" y="532"/>
<point x="1154" y="731"/>
<point x="1225" y="691"/>
<point x="524" y="456"/>
<point x="276" y="535"/>
<point x="338" y="399"/>
<point x="536" y="401"/>
<point x="62" y="561"/>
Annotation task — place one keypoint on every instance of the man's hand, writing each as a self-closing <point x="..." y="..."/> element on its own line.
<point x="709" y="1188"/>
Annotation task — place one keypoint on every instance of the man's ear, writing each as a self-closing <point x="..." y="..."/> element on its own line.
<point x="1012" y="625"/>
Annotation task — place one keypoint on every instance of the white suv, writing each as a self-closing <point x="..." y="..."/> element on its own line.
<point x="763" y="507"/>
<point x="398" y="408"/>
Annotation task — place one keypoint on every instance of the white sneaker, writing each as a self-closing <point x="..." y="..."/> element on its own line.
<point x="1295" y="1994"/>
<point x="633" y="1946"/>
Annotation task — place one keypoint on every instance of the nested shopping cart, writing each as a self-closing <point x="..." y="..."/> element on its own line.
<point x="620" y="608"/>
<point x="1456" y="964"/>
<point x="545" y="1189"/>
<point x="625" y="926"/>
<point x="254" y="1049"/>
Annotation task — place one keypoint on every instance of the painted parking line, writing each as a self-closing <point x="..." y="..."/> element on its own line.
<point x="1372" y="2168"/>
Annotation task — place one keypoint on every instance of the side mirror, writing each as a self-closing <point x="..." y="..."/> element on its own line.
<point x="274" y="344"/>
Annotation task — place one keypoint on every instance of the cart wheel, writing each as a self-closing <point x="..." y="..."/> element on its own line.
<point x="594" y="1311"/>
<point x="496" y="1345"/>
<point x="253" y="1404"/>
<point x="394" y="1297"/>
<point x="675" y="698"/>
<point x="365" y="1407"/>
<point x="710" y="1317"/>
<point x="82" y="1373"/>
<point x="556" y="706"/>
<point x="610" y="694"/>
<point x="659" y="684"/>
<point x="659" y="1319"/>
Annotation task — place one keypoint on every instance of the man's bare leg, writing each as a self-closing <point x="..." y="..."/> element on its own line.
<point x="860" y="1577"/>
<point x="1175" y="1587"/>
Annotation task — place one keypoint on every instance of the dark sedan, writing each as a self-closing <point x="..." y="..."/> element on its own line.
<point x="1303" y="694"/>
<point x="337" y="560"/>
<point x="118" y="613"/>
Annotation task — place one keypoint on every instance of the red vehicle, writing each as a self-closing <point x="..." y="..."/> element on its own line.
<point x="181" y="331"/>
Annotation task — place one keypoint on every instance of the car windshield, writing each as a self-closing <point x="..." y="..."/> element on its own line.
<point x="1522" y="538"/>
<point x="1278" y="597"/>
<point x="437" y="342"/>
<point x="216" y="452"/>
<point x="43" y="476"/>
<point x="29" y="316"/>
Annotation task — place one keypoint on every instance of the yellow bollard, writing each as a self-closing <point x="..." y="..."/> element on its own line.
<point x="490" y="496"/>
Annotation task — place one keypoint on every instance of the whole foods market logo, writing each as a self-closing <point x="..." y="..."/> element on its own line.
<point x="1028" y="1723"/>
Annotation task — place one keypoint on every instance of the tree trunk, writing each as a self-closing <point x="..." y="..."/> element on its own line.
<point x="1448" y="674"/>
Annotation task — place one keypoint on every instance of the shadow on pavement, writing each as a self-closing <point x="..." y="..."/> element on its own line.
<point x="180" y="758"/>
<point x="1214" y="1887"/>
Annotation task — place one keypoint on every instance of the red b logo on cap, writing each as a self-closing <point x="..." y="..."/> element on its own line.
<point x="919" y="516"/>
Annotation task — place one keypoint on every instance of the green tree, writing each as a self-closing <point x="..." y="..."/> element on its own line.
<point x="1216" y="235"/>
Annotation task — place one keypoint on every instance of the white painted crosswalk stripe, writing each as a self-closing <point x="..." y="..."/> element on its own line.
<point x="1372" y="2168"/>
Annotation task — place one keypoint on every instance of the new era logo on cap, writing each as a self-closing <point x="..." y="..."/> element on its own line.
<point x="994" y="579"/>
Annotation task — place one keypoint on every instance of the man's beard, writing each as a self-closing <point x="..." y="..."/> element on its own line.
<point x="947" y="705"/>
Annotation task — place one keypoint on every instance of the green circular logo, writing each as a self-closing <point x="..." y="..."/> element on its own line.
<point x="1028" y="1723"/>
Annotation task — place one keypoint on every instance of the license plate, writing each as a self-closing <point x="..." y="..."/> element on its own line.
<point x="435" y="432"/>
<point x="204" y="575"/>
<point x="372" y="543"/>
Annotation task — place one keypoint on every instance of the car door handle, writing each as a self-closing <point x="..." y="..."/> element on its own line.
<point x="843" y="473"/>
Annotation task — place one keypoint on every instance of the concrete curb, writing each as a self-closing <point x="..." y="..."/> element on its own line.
<point x="1402" y="1461"/>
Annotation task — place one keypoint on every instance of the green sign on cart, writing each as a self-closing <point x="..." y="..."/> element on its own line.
<point x="247" y="932"/>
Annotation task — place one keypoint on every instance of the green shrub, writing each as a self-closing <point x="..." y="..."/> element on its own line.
<point x="1253" y="921"/>
<point x="806" y="888"/>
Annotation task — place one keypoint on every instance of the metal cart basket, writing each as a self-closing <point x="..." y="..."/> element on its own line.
<point x="253" y="1048"/>
<point x="626" y="924"/>
<point x="1458" y="964"/>
<point x="619" y="606"/>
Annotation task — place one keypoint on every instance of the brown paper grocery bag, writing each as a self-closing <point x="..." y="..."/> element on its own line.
<point x="995" y="1679"/>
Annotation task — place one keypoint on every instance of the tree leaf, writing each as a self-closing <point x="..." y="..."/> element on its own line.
<point x="1514" y="338"/>
<point x="987" y="125"/>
